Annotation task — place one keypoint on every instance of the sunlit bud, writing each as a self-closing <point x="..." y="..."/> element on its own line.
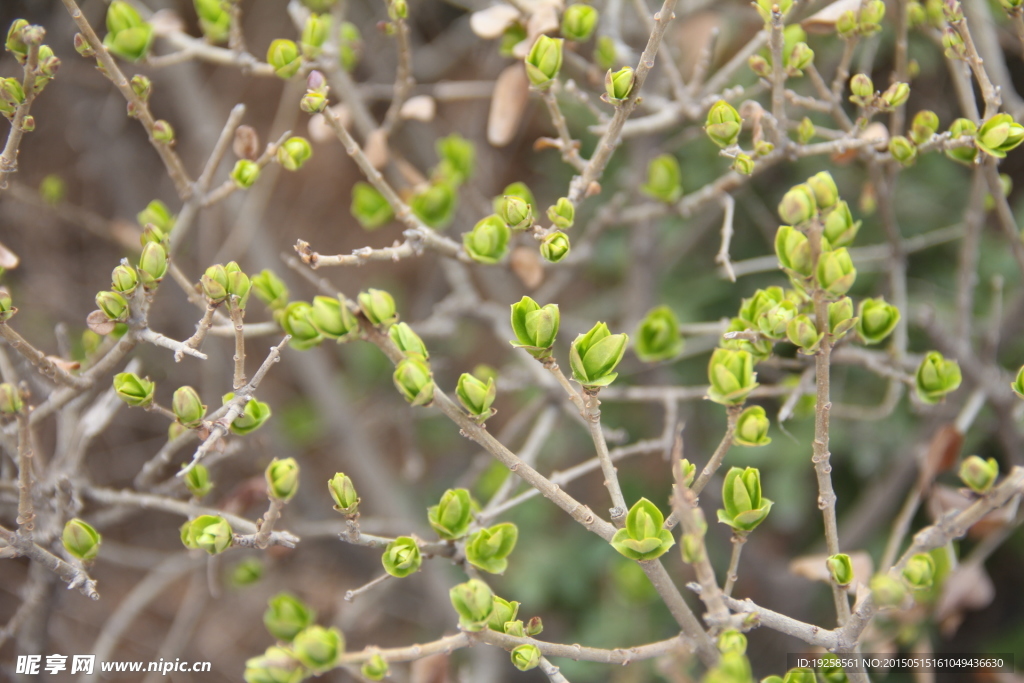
<point x="488" y="241"/>
<point x="579" y="22"/>
<point x="413" y="380"/>
<point x="999" y="134"/>
<point x="595" y="354"/>
<point x="188" y="407"/>
<point x="862" y="89"/>
<point x="7" y="310"/>
<point x="81" y="540"/>
<point x="936" y="377"/>
<point x="953" y="44"/>
<point x="488" y="549"/>
<point x="142" y="86"/>
<point x="254" y="414"/>
<point x="210" y="533"/>
<point x="687" y="472"/>
<point x="378" y="306"/>
<point x="535" y="327"/>
<point x="163" y="132"/>
<point x="452" y="516"/>
<point x="643" y="537"/>
<point x="375" y="668"/>
<point x="401" y="557"/>
<point x="896" y="95"/>
<point x="752" y="428"/>
<point x="732" y="640"/>
<point x="504" y="611"/>
<point x="152" y="264"/>
<point x="343" y="491"/>
<point x="83" y="47"/>
<point x="245" y="173"/>
<point x="407" y="341"/>
<point x="958" y="129"/>
<point x="840" y="567"/>
<point x="15" y="43"/>
<point x="766" y="7"/>
<point x="282" y="478"/>
<point x="919" y="571"/>
<point x="516" y="212"/>
<point x="124" y="279"/>
<point x="799" y="58"/>
<point x="772" y="323"/>
<point x="283" y="55"/>
<point x="840" y="228"/>
<point x="294" y="153"/>
<point x="977" y="474"/>
<point x="544" y="61"/>
<point x="826" y="194"/>
<point x="760" y="66"/>
<point x="741" y="496"/>
<point x="743" y="164"/>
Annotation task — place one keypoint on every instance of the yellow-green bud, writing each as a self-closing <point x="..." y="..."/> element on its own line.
<point x="286" y="616"/>
<point x="435" y="205"/>
<point x="887" y="591"/>
<point x="802" y="332"/>
<point x="544" y="61"/>
<point x="840" y="317"/>
<point x="805" y="132"/>
<point x="282" y="478"/>
<point x="197" y="480"/>
<point x="979" y="475"/>
<point x="793" y="250"/>
<point x="664" y="179"/>
<point x="163" y="132"/>
<point x="254" y="414"/>
<point x="863" y="90"/>
<point x="731" y="375"/>
<point x="953" y="43"/>
<point x="378" y="306"/>
<point x="840" y="567"/>
<point x="562" y="214"/>
<point x="535" y="327"/>
<point x="214" y="19"/>
<point x="876" y="320"/>
<point x="294" y="153"/>
<point x="958" y="129"/>
<point x="188" y="407"/>
<point x="999" y="134"/>
<point x="526" y="657"/>
<point x="760" y="66"/>
<point x="314" y="34"/>
<point x="657" y="337"/>
<point x="276" y="665"/>
<point x="936" y="377"/>
<point x="488" y="241"/>
<point x="375" y="668"/>
<point x="451" y="517"/>
<point x="619" y="84"/>
<point x="744" y="509"/>
<point x="332" y="319"/>
<point x="835" y="272"/>
<point x="798" y="205"/>
<point x="744" y="164"/>
<point x="128" y="36"/>
<point x="296" y="321"/>
<point x="1018" y="383"/>
<point x="10" y="399"/>
<point x="210" y="533"/>
<point x="15" y="43"/>
<point x="555" y="247"/>
<point x="141" y="86"/>
<point x="81" y="540"/>
<point x="134" y="390"/>
<point x="826" y="194"/>
<point x="283" y="55"/>
<point x="752" y="428"/>
<point x="458" y="159"/>
<point x="317" y="648"/>
<point x="643" y="537"/>
<point x="595" y="354"/>
<point x="902" y="150"/>
<point x="401" y="557"/>
<point x="369" y="206"/>
<point x="124" y="279"/>
<point x="270" y="289"/>
<point x="157" y="214"/>
<point x="476" y="396"/>
<point x="350" y="45"/>
<point x="407" y="341"/>
<point x="152" y="264"/>
<point x="7" y="310"/>
<point x="919" y="572"/>
<point x="413" y="379"/>
<point x="579" y="22"/>
<point x="895" y="95"/>
<point x="504" y="611"/>
<point x="516" y="212"/>
<point x="473" y="602"/>
<point x="840" y="228"/>
<point x="343" y="491"/>
<point x="246" y="572"/>
<point x="799" y="58"/>
<point x="772" y="323"/>
<point x="604" y="52"/>
<point x="488" y="549"/>
<point x="245" y="173"/>
<point x="732" y="640"/>
<point x="723" y="124"/>
<point x="687" y="472"/>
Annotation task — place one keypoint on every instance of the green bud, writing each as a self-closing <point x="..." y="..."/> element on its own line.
<point x="958" y="129"/>
<point x="276" y="665"/>
<point x="555" y="247"/>
<point x="313" y="101"/>
<point x="836" y="273"/>
<point x="369" y="206"/>
<point x="798" y="205"/>
<point x="128" y="36"/>
<point x="840" y="567"/>
<point x="10" y="399"/>
<point x="245" y="173"/>
<point x="863" y="90"/>
<point x="452" y="516"/>
<point x="979" y="475"/>
<point x="270" y="289"/>
<point x="805" y="132"/>
<point x="799" y="675"/>
<point x="156" y="213"/>
<point x="826" y="194"/>
<point x="579" y="22"/>
<point x="314" y="34"/>
<point x="526" y="657"/>
<point x="643" y="537"/>
<point x="375" y="668"/>
<point x="743" y="164"/>
<point x="210" y="533"/>
<point x="488" y="549"/>
<point x="516" y="212"/>
<point x="402" y="557"/>
<point x="919" y="572"/>
<point x="723" y="124"/>
<point x="476" y="396"/>
<point x="765" y="8"/>
<point x="516" y="189"/>
<point x="113" y="305"/>
<point x="764" y="300"/>
<point x="840" y="317"/>
<point x="687" y="472"/>
<point x="504" y="611"/>
<point x="163" y="132"/>
<point x="752" y="428"/>
<point x="134" y="390"/>
<point x="732" y="640"/>
<point x="413" y="380"/>
<point x="284" y="56"/>
<point x="197" y="480"/>
<point x="458" y="159"/>
<point x="214" y="283"/>
<point x="544" y="61"/>
<point x="15" y="43"/>
<point x="378" y="306"/>
<point x="1018" y="383"/>
<point x="350" y="45"/>
<point x="916" y="15"/>
<point x="282" y="479"/>
<point x="81" y="540"/>
<point x="246" y="572"/>
<point x="562" y="214"/>
<point x="252" y="418"/>
<point x="594" y="355"/>
<point x="840" y="228"/>
<point x="535" y="327"/>
<point x="802" y="332"/>
<point x="152" y="264"/>
<point x="7" y="310"/>
<point x="876" y="320"/>
<point x="999" y="134"/>
<point x="52" y="189"/>
<point x="343" y="491"/>
<point x="188" y="407"/>
<point x="799" y="58"/>
<point x="1008" y="5"/>
<point x="604" y="52"/>
<point x="286" y="616"/>
<point x="731" y="375"/>
<point x="487" y="242"/>
<point x="773" y="322"/>
<point x="294" y="153"/>
<point x="435" y="205"/>
<point x="887" y="591"/>
<point x="317" y="648"/>
<point x="473" y="602"/>
<point x="83" y="47"/>
<point x="902" y="150"/>
<point x="296" y="321"/>
<point x="872" y="14"/>
<point x="534" y="627"/>
<point x="141" y="86"/>
<point x="512" y="36"/>
<point x="124" y="279"/>
<point x="895" y="95"/>
<point x="741" y="496"/>
<point x="936" y="377"/>
<point x="657" y="337"/>
<point x="332" y="319"/>
<point x="664" y="179"/>
<point x="618" y="84"/>
<point x="214" y="19"/>
<point x="760" y="66"/>
<point x="953" y="44"/>
<point x="407" y="341"/>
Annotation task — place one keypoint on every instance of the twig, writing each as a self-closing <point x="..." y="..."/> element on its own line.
<point x="202" y="327"/>
<point x="568" y="146"/>
<point x="266" y="525"/>
<point x="235" y="309"/>
<point x="684" y="507"/>
<point x="729" y="206"/>
<point x="157" y="339"/>
<point x="739" y="539"/>
<point x="351" y="595"/>
<point x="26" y="512"/>
<point x="733" y="416"/>
<point x="40" y="360"/>
<point x="778" y="80"/>
<point x="611" y="477"/>
<point x="404" y="80"/>
<point x="75" y="577"/>
<point x="9" y="158"/>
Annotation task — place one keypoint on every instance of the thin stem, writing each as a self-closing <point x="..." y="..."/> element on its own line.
<point x="404" y="80"/>
<point x="684" y="507"/>
<point x="733" y="415"/>
<point x="729" y="207"/>
<point x="266" y="525"/>
<point x="75" y="577"/>
<point x="236" y="318"/>
<point x="739" y="539"/>
<point x="26" y="512"/>
<point x="568" y="146"/>
<point x="989" y="92"/>
<point x="611" y="477"/>
<point x="9" y="158"/>
<point x="778" y="80"/>
<point x="356" y="592"/>
<point x="40" y="360"/>
<point x="156" y="339"/>
<point x="196" y="339"/>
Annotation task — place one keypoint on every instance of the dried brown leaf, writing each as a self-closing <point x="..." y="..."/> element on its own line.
<point x="526" y="265"/>
<point x="511" y="93"/>
<point x="8" y="259"/>
<point x="490" y="23"/>
<point x="419" y="108"/>
<point x="377" y="149"/>
<point x="824" y="20"/>
<point x="246" y="144"/>
<point x="99" y="323"/>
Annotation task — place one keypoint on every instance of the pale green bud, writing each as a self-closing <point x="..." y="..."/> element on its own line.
<point x="296" y="321"/>
<point x="979" y="475"/>
<point x="473" y="602"/>
<point x="10" y="399"/>
<point x="378" y="306"/>
<point x="81" y="540"/>
<point x="919" y="572"/>
<point x="619" y="84"/>
<point x="163" y="132"/>
<point x="895" y="95"/>
<point x="936" y="377"/>
<point x="744" y="164"/>
<point x="282" y="478"/>
<point x="526" y="657"/>
<point x="516" y="212"/>
<point x="488" y="241"/>
<point x="152" y="264"/>
<point x="840" y="317"/>
<point x="314" y="34"/>
<point x="343" y="491"/>
<point x="332" y="319"/>
<point x="407" y="341"/>
<point x="128" y="37"/>
<point x="595" y="354"/>
<point x="657" y="337"/>
<point x="452" y="516"/>
<point x="793" y="250"/>
<point x="214" y="19"/>
<point x="317" y="648"/>
<point x="283" y="55"/>
<point x="413" y="379"/>
<point x="157" y="214"/>
<point x="476" y="396"/>
<point x="270" y="289"/>
<point x="544" y="61"/>
<point x="188" y="407"/>
<point x="458" y="159"/>
<point x="504" y="611"/>
<point x="488" y="549"/>
<point x="375" y="668"/>
<point x="731" y="375"/>
<point x="555" y="247"/>
<point x="664" y="179"/>
<point x="246" y="572"/>
<point x="369" y="206"/>
<point x="744" y="509"/>
<point x="124" y="279"/>
<point x="902" y="150"/>
<point x="286" y="616"/>
<point x="840" y="567"/>
<point x="876" y="320"/>
<point x="134" y="390"/>
<point x="723" y="124"/>
<point x="732" y="640"/>
<point x="805" y="132"/>
<point x="798" y="205"/>
<point x="840" y="228"/>
<point x="999" y="134"/>
<point x="604" y="52"/>
<point x="801" y="331"/>
<point x="863" y="90"/>
<point x="210" y="533"/>
<point x="294" y="153"/>
<point x="562" y="214"/>
<point x="958" y="129"/>
<point x="887" y="591"/>
<point x="254" y="414"/>
<point x="752" y="428"/>
<point x="579" y="22"/>
<point x="687" y="472"/>
<point x="643" y="537"/>
<point x="276" y="665"/>
<point x="245" y="173"/>
<point x="435" y="205"/>
<point x="535" y="327"/>
<point x="197" y="481"/>
<point x="835" y="272"/>
<point x="826" y="194"/>
<point x="402" y="557"/>
<point x="350" y="45"/>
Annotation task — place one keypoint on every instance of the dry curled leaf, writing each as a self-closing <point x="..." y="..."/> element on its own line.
<point x="526" y="265"/>
<point x="8" y="259"/>
<point x="246" y="144"/>
<point x="99" y="323"/>
<point x="377" y="149"/>
<point x="419" y="108"/>
<point x="490" y="23"/>
<point x="824" y="20"/>
<point x="511" y="93"/>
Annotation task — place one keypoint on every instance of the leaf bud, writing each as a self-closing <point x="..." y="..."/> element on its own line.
<point x="253" y="415"/>
<point x="876" y="320"/>
<point x="826" y="194"/>
<point x="270" y="289"/>
<point x="163" y="132"/>
<point x="317" y="648"/>
<point x="526" y="657"/>
<point x="535" y="327"/>
<point x="128" y="36"/>
<point x="295" y="152"/>
<point x="936" y="377"/>
<point x="723" y="124"/>
<point x="805" y="132"/>
<point x="840" y="229"/>
<point x="295" y="320"/>
<point x="579" y="22"/>
<point x="840" y="317"/>
<point x="210" y="533"/>
<point x="744" y="164"/>
<point x="343" y="491"/>
<point x="282" y="479"/>
<point x="504" y="612"/>
<point x="214" y="19"/>
<point x="413" y="379"/>
<point x="958" y="129"/>
<point x="152" y="264"/>
<point x="840" y="568"/>
<point x="401" y="557"/>
<point x="473" y="602"/>
<point x="286" y="616"/>
<point x="332" y="319"/>
<point x="799" y="58"/>
<point x="476" y="396"/>
<point x="283" y="55"/>
<point x="657" y="337"/>
<point x="731" y="375"/>
<point x="562" y="214"/>
<point x="555" y="247"/>
<point x="81" y="540"/>
<point x="10" y="399"/>
<point x="407" y="341"/>
<point x="378" y="306"/>
<point x="902" y="150"/>
<point x="245" y="173"/>
<point x="544" y="61"/>
<point x="862" y="89"/>
<point x="664" y="179"/>
<point x="732" y="640"/>
<point x="314" y="34"/>
<point x="752" y="428"/>
<point x="643" y="537"/>
<point x="488" y="241"/>
<point x="369" y="206"/>
<point x="197" y="481"/>
<point x="134" y="390"/>
<point x="998" y="135"/>
<point x="619" y="84"/>
<point x="835" y="272"/>
<point x="276" y="665"/>
<point x="350" y="45"/>
<point x="435" y="205"/>
<point x="594" y="355"/>
<point x="798" y="205"/>
<point x="124" y="279"/>
<point x="452" y="516"/>
<point x="187" y="407"/>
<point x="488" y="549"/>
<point x="919" y="572"/>
<point x="979" y="475"/>
<point x="744" y="509"/>
<point x="375" y="668"/>
<point x="687" y="472"/>
<point x="246" y="572"/>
